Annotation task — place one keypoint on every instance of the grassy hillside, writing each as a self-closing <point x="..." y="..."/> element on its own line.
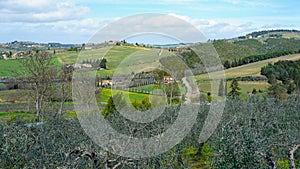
<point x="252" y="69"/>
<point x="228" y="50"/>
<point x="261" y="43"/>
<point x="114" y="56"/>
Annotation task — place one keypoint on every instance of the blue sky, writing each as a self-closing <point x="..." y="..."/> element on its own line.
<point x="75" y="21"/>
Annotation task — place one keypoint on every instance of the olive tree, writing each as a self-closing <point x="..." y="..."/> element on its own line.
<point x="258" y="133"/>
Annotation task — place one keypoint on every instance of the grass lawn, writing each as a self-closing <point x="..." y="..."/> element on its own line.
<point x="105" y="94"/>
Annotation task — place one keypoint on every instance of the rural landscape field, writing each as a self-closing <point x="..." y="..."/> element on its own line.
<point x="246" y="84"/>
<point x="149" y="91"/>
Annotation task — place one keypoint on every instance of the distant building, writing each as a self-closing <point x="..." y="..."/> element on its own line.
<point x="80" y="66"/>
<point x="88" y="48"/>
<point x="250" y="37"/>
<point x="5" y="56"/>
<point x="18" y="55"/>
<point x="54" y="44"/>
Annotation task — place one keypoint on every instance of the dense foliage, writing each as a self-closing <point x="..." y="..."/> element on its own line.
<point x="259" y="133"/>
<point x="283" y="75"/>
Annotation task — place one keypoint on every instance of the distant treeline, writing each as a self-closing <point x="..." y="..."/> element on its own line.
<point x="286" y="72"/>
<point x="259" y="33"/>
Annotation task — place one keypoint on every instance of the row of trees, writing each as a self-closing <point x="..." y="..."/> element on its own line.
<point x="259" y="33"/>
<point x="97" y="63"/>
<point x="255" y="58"/>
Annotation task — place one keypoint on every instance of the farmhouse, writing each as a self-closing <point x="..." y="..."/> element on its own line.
<point x="18" y="55"/>
<point x="106" y="83"/>
<point x="80" y="66"/>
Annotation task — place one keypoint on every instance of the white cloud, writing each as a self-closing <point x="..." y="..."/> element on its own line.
<point x="64" y="31"/>
<point x="253" y="3"/>
<point x="40" y="10"/>
<point x="232" y="27"/>
<point x="66" y="21"/>
<point x="222" y="27"/>
<point x="86" y="26"/>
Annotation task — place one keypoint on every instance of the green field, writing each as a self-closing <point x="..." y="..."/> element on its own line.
<point x="12" y="67"/>
<point x="9" y="67"/>
<point x="115" y="54"/>
<point x="120" y="59"/>
<point x="105" y="94"/>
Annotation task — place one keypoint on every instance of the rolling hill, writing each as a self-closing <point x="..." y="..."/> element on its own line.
<point x="279" y="44"/>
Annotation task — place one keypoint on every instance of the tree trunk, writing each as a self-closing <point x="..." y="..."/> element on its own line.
<point x="179" y="160"/>
<point x="291" y="156"/>
<point x="199" y="151"/>
<point x="61" y="107"/>
<point x="37" y="105"/>
<point x="41" y="103"/>
<point x="62" y="99"/>
<point x="272" y="162"/>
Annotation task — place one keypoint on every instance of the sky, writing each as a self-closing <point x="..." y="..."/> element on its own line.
<point x="76" y="21"/>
